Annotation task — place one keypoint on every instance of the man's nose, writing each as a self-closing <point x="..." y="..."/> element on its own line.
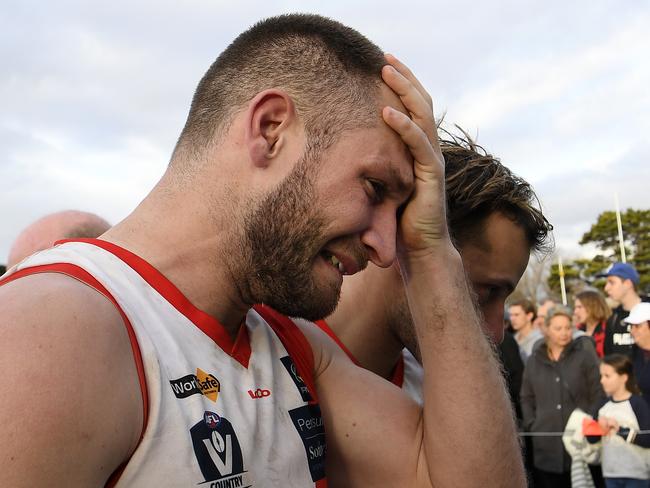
<point x="380" y="238"/>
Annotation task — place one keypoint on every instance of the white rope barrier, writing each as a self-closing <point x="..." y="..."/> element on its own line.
<point x="560" y="434"/>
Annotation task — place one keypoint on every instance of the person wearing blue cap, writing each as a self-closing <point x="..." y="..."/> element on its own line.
<point x="621" y="286"/>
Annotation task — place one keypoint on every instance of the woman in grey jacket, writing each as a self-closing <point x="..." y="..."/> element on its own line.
<point x="561" y="375"/>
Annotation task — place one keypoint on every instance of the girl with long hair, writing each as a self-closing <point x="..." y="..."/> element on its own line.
<point x="622" y="417"/>
<point x="591" y="311"/>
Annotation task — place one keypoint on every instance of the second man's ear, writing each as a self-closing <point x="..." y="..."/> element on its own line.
<point x="270" y="115"/>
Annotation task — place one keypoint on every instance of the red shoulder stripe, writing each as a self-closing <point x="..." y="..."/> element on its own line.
<point x="295" y="343"/>
<point x="398" y="373"/>
<point x="326" y="328"/>
<point x="240" y="349"/>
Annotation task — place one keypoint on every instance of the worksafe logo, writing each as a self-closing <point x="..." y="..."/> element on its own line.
<point x="218" y="453"/>
<point x="201" y="383"/>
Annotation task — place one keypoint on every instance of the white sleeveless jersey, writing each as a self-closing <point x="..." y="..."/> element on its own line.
<point x="217" y="414"/>
<point x="408" y="374"/>
<point x="413" y="377"/>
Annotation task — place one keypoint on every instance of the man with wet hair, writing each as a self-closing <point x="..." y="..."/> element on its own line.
<point x="303" y="144"/>
<point x="495" y="221"/>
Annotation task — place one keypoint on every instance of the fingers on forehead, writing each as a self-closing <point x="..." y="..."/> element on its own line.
<point x="416" y="100"/>
<point x="412" y="135"/>
<point x="411" y="98"/>
<point x="408" y="74"/>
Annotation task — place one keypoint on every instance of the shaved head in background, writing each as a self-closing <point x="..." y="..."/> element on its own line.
<point x="44" y="232"/>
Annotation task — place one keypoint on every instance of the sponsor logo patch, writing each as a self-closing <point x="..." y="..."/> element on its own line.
<point x="308" y="422"/>
<point x="259" y="393"/>
<point x="293" y="372"/>
<point x="218" y="453"/>
<point x="201" y="383"/>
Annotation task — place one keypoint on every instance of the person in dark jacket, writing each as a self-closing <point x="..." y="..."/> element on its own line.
<point x="621" y="286"/>
<point x="561" y="375"/>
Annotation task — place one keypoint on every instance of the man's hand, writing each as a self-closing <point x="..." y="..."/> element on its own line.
<point x="423" y="225"/>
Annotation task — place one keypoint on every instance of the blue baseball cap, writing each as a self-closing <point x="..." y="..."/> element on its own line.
<point x="622" y="270"/>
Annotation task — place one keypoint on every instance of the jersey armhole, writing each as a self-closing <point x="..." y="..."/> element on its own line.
<point x="296" y="344"/>
<point x="86" y="278"/>
<point x="324" y="326"/>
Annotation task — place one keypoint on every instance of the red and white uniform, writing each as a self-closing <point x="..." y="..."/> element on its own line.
<point x="217" y="414"/>
<point x="408" y="373"/>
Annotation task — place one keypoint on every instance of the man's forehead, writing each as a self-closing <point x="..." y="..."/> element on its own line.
<point x="497" y="258"/>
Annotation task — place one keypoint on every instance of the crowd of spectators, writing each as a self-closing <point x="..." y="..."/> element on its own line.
<point x="563" y="356"/>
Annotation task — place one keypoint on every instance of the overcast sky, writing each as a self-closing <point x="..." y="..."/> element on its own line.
<point x="94" y="94"/>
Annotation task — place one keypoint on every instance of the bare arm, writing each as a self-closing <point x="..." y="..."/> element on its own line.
<point x="465" y="435"/>
<point x="467" y="409"/>
<point x="72" y="410"/>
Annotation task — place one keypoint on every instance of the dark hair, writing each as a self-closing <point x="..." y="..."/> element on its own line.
<point x="331" y="71"/>
<point x="595" y="304"/>
<point x="623" y="365"/>
<point x="526" y="305"/>
<point x="477" y="185"/>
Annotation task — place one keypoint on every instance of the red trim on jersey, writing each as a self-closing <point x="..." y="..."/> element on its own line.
<point x="398" y="372"/>
<point x="397" y="378"/>
<point x="82" y="275"/>
<point x="240" y="349"/>
<point x="324" y="326"/>
<point x="295" y="343"/>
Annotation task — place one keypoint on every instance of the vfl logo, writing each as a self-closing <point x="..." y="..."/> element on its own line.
<point x="259" y="393"/>
<point x="200" y="384"/>
<point x="218" y="452"/>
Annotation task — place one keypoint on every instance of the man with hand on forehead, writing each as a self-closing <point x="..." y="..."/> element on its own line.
<point x="496" y="222"/>
<point x="302" y="144"/>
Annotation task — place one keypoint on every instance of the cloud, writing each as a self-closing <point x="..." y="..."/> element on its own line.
<point x="573" y="200"/>
<point x="95" y="94"/>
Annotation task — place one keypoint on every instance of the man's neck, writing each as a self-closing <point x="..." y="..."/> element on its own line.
<point x="159" y="232"/>
<point x="630" y="299"/>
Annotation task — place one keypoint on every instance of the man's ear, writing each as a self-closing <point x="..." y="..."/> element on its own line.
<point x="269" y="117"/>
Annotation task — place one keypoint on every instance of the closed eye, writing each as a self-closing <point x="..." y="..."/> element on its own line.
<point x="376" y="190"/>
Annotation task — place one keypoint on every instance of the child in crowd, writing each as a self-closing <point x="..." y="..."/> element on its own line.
<point x="625" y="413"/>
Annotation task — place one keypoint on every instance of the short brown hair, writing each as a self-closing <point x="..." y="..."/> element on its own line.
<point x="331" y="71"/>
<point x="477" y="185"/>
<point x="595" y="304"/>
<point x="526" y="305"/>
